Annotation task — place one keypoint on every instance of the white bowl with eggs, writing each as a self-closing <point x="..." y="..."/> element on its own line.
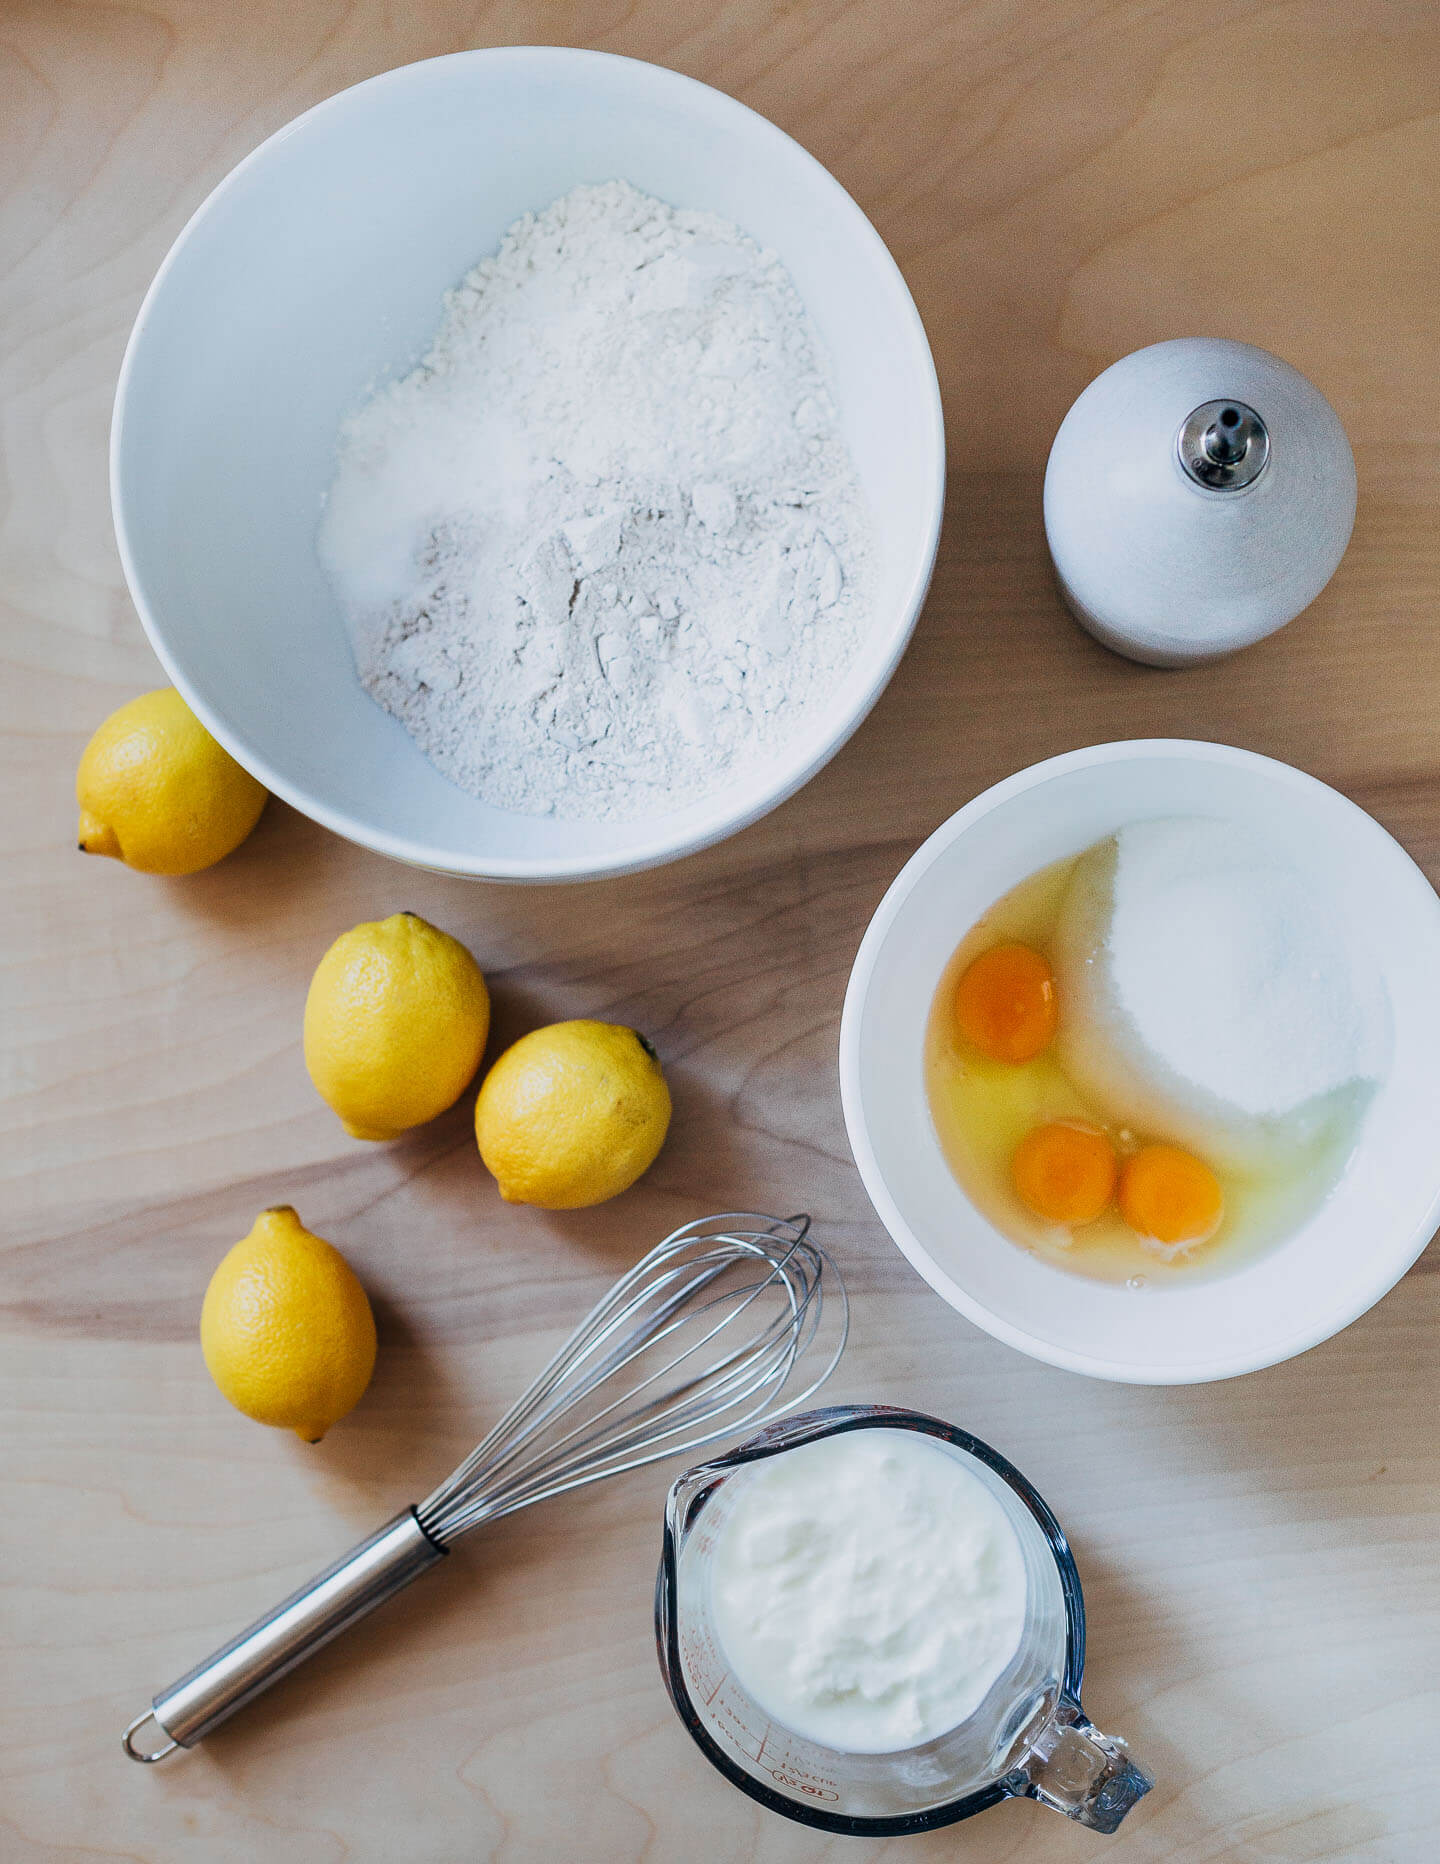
<point x="316" y="269"/>
<point x="1340" y="1259"/>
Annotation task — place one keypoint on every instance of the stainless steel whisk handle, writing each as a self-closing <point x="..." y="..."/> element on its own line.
<point x="233" y="1675"/>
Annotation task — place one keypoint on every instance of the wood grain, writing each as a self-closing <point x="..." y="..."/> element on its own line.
<point x="1061" y="183"/>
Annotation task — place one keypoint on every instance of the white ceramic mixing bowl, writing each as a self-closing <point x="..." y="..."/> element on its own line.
<point x="1356" y="1245"/>
<point x="317" y="266"/>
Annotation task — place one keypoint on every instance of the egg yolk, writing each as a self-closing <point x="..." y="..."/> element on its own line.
<point x="1170" y="1196"/>
<point x="1005" y="1003"/>
<point x="1065" y="1172"/>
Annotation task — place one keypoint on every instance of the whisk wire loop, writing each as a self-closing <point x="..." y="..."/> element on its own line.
<point x="644" y="1341"/>
<point x="581" y="1419"/>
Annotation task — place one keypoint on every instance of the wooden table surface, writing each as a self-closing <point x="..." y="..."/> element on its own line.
<point x="1061" y="183"/>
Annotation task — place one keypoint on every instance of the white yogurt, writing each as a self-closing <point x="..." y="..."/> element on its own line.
<point x="868" y="1590"/>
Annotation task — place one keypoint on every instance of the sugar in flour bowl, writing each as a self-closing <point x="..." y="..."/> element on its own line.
<point x="318" y="267"/>
<point x="1342" y="1256"/>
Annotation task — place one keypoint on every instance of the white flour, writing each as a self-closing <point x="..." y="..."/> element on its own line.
<point x="605" y="542"/>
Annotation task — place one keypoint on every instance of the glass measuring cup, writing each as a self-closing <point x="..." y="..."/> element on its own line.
<point x="1029" y="1738"/>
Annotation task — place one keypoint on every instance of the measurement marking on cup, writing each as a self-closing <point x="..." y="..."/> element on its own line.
<point x="809" y="1787"/>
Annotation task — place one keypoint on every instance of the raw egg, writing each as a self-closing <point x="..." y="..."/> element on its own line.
<point x="1170" y="1196"/>
<point x="1065" y="1172"/>
<point x="1065" y="1133"/>
<point x="1005" y="1003"/>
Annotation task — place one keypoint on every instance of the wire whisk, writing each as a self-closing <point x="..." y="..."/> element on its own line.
<point x="673" y="1306"/>
<point x="700" y="1340"/>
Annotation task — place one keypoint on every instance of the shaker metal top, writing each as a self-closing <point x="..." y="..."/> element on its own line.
<point x="1223" y="445"/>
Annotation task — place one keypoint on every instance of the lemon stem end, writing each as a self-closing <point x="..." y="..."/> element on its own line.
<point x="97" y="837"/>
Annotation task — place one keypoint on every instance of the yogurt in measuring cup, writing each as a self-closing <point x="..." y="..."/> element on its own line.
<point x="868" y="1590"/>
<point x="872" y="1645"/>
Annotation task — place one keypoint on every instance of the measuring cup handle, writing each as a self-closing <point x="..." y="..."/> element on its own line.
<point x="1088" y="1776"/>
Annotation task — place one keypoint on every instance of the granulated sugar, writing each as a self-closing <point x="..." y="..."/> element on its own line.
<point x="606" y="541"/>
<point x="1213" y="994"/>
<point x="1232" y="973"/>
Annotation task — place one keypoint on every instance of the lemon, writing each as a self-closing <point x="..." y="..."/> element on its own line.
<point x="572" y="1114"/>
<point x="286" y="1328"/>
<point x="158" y="793"/>
<point x="395" y="1024"/>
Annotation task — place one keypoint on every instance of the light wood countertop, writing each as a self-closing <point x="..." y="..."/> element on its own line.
<point x="1060" y="183"/>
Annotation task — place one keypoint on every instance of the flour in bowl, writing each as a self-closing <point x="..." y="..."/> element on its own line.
<point x="605" y="544"/>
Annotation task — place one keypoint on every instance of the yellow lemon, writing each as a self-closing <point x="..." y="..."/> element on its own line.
<point x="158" y="793"/>
<point x="572" y="1115"/>
<point x="286" y="1328"/>
<point x="395" y="1025"/>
